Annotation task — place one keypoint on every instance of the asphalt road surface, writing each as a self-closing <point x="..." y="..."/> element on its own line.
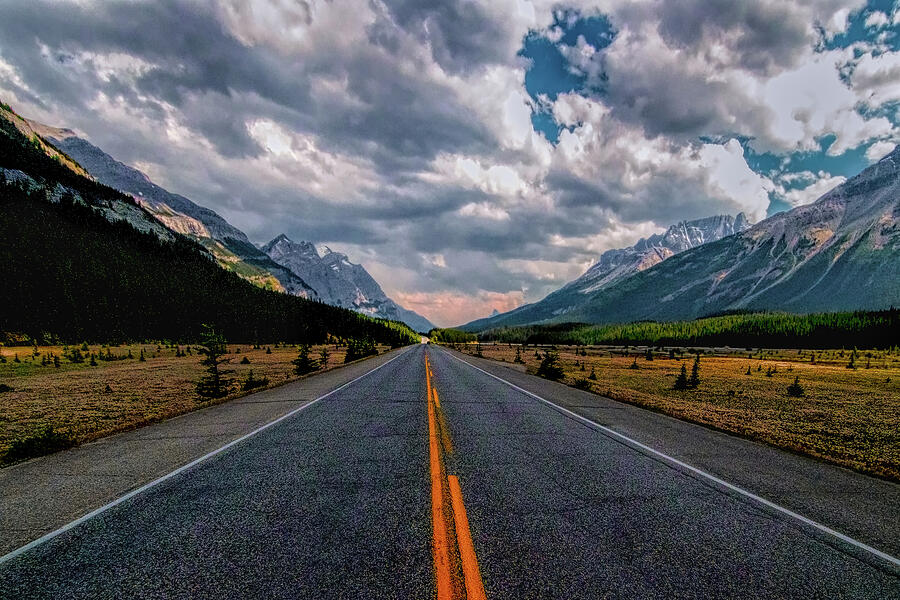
<point x="428" y="478"/>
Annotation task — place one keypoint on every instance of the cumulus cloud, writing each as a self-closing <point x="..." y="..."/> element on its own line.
<point x="400" y="131"/>
<point x="817" y="185"/>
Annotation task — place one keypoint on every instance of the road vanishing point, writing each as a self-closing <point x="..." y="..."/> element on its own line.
<point x="435" y="475"/>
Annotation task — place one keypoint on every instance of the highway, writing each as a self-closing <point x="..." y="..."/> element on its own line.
<point x="428" y="477"/>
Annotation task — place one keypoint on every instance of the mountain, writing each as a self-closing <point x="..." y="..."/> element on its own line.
<point x="615" y="266"/>
<point x="339" y="281"/>
<point x="228" y="244"/>
<point x="83" y="261"/>
<point x="840" y="253"/>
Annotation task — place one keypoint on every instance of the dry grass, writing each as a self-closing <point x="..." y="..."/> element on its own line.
<point x="848" y="417"/>
<point x="75" y="400"/>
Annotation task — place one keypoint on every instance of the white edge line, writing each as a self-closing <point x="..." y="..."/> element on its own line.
<point x="181" y="469"/>
<point x="695" y="470"/>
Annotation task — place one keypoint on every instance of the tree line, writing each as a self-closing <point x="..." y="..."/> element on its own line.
<point x="863" y="329"/>
<point x="66" y="272"/>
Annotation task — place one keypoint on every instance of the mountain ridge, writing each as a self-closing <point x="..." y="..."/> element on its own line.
<point x="841" y="252"/>
<point x="339" y="281"/>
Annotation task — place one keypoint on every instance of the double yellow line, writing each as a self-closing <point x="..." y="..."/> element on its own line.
<point x="455" y="563"/>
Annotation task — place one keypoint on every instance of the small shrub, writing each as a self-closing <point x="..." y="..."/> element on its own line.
<point x="593" y="375"/>
<point x="245" y="361"/>
<point x="4" y="388"/>
<point x="252" y="382"/>
<point x="583" y="384"/>
<point x="795" y="389"/>
<point x="44" y="440"/>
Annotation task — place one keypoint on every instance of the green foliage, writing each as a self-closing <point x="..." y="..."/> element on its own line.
<point x="4" y="388"/>
<point x="323" y="357"/>
<point x="869" y="329"/>
<point x="245" y="361"/>
<point x="681" y="382"/>
<point x="593" y="375"/>
<point x="583" y="384"/>
<point x="518" y="359"/>
<point x="451" y="336"/>
<point x="252" y="382"/>
<point x="44" y="440"/>
<point x="550" y="367"/>
<point x="357" y="349"/>
<point x="694" y="381"/>
<point x="304" y="363"/>
<point x="215" y="383"/>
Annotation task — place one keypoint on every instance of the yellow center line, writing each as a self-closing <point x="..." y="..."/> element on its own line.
<point x="471" y="573"/>
<point x="452" y="542"/>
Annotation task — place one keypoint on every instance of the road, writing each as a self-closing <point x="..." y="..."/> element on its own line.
<point x="427" y="478"/>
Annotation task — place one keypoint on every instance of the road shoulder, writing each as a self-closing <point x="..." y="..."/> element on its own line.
<point x="857" y="505"/>
<point x="40" y="495"/>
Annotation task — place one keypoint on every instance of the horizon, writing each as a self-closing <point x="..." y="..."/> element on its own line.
<point x="472" y="160"/>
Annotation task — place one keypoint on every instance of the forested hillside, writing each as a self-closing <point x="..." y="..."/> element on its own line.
<point x="68" y="271"/>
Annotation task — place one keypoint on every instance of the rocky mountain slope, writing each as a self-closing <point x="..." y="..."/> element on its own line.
<point x="839" y="253"/>
<point x="616" y="265"/>
<point x="228" y="244"/>
<point x="336" y="281"/>
<point x="339" y="281"/>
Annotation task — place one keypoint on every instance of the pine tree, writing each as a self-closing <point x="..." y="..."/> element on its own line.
<point x="634" y="365"/>
<point x="93" y="362"/>
<point x="593" y="375"/>
<point x="748" y="370"/>
<point x="303" y="364"/>
<point x="518" y="358"/>
<point x="323" y="357"/>
<point x="141" y="357"/>
<point x="694" y="381"/>
<point x="216" y="383"/>
<point x="56" y="361"/>
<point x="550" y="367"/>
<point x="681" y="382"/>
<point x="795" y="389"/>
<point x="649" y="354"/>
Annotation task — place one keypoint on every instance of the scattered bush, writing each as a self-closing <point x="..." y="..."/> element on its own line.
<point x="583" y="384"/>
<point x="44" y="440"/>
<point x="550" y="367"/>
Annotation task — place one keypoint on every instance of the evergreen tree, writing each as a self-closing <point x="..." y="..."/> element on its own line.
<point x="593" y="375"/>
<point x="93" y="362"/>
<point x="634" y="365"/>
<point x="694" y="381"/>
<point x="518" y="358"/>
<point x="323" y="357"/>
<point x="795" y="389"/>
<point x="748" y="370"/>
<point x="215" y="383"/>
<point x="550" y="367"/>
<point x="681" y="382"/>
<point x="649" y="354"/>
<point x="357" y="349"/>
<point x="141" y="357"/>
<point x="56" y="361"/>
<point x="304" y="364"/>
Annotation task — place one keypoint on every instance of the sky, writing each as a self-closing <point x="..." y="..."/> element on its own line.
<point x="471" y="155"/>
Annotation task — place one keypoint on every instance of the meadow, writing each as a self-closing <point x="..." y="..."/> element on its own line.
<point x="81" y="402"/>
<point x="847" y="415"/>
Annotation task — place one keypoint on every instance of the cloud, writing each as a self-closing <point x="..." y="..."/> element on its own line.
<point x="400" y="132"/>
<point x="820" y="184"/>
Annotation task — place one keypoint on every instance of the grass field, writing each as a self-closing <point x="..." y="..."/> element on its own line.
<point x="847" y="416"/>
<point x="83" y="402"/>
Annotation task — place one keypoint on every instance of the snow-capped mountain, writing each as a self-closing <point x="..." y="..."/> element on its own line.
<point x="618" y="264"/>
<point x="339" y="281"/>
<point x="840" y="253"/>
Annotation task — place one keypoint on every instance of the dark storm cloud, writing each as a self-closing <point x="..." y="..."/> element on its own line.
<point x="461" y="34"/>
